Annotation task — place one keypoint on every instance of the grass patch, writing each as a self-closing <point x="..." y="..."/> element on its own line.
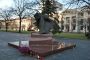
<point x="26" y="32"/>
<point x="22" y="32"/>
<point x="64" y="35"/>
<point x="72" y="35"/>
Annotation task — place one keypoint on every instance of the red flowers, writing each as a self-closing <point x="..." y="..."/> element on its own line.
<point x="24" y="50"/>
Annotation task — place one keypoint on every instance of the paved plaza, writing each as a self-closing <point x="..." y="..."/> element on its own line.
<point x="80" y="52"/>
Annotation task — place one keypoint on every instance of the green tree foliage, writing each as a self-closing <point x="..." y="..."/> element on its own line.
<point x="48" y="7"/>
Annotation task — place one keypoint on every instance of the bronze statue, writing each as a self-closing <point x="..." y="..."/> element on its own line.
<point x="45" y="24"/>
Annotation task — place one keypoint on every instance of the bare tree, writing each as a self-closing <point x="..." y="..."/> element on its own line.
<point x="6" y="15"/>
<point x="20" y="10"/>
<point x="81" y="1"/>
<point x="77" y="3"/>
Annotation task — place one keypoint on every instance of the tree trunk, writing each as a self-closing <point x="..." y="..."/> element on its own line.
<point x="20" y="24"/>
<point x="89" y="25"/>
<point x="6" y="26"/>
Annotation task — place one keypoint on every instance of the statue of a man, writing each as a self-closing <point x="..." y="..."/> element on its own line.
<point x="43" y="23"/>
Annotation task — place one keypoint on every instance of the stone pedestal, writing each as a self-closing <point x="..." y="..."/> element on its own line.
<point x="40" y="37"/>
<point x="41" y="45"/>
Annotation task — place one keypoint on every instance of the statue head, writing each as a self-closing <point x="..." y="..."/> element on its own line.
<point x="37" y="18"/>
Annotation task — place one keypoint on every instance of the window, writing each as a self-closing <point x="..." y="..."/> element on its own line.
<point x="74" y="26"/>
<point x="81" y="14"/>
<point x="87" y="27"/>
<point x="67" y="19"/>
<point x="88" y="12"/>
<point x="88" y="21"/>
<point x="74" y="19"/>
<point x="81" y="22"/>
<point x="81" y="28"/>
<point x="67" y="27"/>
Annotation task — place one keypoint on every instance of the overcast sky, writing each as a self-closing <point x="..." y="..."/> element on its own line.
<point x="8" y="3"/>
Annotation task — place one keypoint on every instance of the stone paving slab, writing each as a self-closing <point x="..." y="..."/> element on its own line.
<point x="81" y="52"/>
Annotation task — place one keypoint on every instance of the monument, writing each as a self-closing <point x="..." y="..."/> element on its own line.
<point x="45" y="24"/>
<point x="42" y="43"/>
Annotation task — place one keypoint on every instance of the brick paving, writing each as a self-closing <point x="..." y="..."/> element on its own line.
<point x="80" y="52"/>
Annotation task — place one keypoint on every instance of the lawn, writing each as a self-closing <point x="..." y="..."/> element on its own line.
<point x="64" y="35"/>
<point x="22" y="32"/>
<point x="72" y="35"/>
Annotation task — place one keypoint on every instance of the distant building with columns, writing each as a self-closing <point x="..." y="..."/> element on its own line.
<point x="74" y="20"/>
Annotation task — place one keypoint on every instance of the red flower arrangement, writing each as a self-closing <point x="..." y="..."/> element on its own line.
<point x="24" y="50"/>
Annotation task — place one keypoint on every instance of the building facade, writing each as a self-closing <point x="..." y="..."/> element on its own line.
<point x="14" y="24"/>
<point x="75" y="20"/>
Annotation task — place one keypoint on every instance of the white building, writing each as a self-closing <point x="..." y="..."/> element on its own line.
<point x="75" y="20"/>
